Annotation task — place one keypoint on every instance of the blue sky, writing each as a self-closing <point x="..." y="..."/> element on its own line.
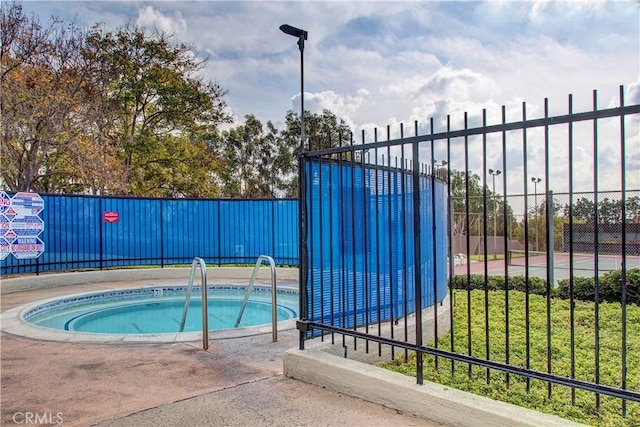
<point x="380" y="63"/>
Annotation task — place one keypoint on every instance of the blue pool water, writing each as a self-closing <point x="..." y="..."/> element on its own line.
<point x="159" y="310"/>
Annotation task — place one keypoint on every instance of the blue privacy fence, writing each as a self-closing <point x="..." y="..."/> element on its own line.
<point x="92" y="232"/>
<point x="362" y="254"/>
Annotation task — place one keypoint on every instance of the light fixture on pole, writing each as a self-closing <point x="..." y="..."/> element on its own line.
<point x="535" y="202"/>
<point x="494" y="173"/>
<point x="302" y="205"/>
<point x="302" y="36"/>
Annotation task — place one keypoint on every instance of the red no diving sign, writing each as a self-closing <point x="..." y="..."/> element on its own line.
<point x="111" y="216"/>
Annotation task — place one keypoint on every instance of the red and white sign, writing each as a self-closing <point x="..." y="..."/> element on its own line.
<point x="111" y="216"/>
<point x="27" y="247"/>
<point x="27" y="203"/>
<point x="5" y="248"/>
<point x="20" y="225"/>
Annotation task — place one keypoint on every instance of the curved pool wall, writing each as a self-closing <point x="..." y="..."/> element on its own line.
<point x="112" y="280"/>
<point x="360" y="240"/>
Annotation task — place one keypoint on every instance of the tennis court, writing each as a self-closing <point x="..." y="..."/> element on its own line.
<point x="583" y="264"/>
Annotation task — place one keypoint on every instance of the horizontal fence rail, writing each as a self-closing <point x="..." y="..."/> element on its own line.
<point x="541" y="252"/>
<point x="92" y="232"/>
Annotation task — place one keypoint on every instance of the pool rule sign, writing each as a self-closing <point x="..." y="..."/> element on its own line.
<point x="21" y="225"/>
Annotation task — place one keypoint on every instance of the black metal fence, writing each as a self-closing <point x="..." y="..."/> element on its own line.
<point x="496" y="178"/>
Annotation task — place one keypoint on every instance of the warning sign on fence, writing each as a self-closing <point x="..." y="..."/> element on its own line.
<point x="20" y="225"/>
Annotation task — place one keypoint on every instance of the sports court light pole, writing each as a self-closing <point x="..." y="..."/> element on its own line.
<point x="493" y="174"/>
<point x="302" y="208"/>
<point x="535" y="202"/>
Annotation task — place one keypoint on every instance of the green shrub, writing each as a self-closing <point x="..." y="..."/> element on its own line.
<point x="610" y="287"/>
<point x="583" y="287"/>
<point x="537" y="285"/>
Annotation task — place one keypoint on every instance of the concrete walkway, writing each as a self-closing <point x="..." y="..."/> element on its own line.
<point x="237" y="382"/>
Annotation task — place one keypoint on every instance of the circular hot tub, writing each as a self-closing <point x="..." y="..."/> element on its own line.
<point x="152" y="314"/>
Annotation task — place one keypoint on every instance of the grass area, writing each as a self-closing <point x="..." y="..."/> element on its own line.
<point x="584" y="354"/>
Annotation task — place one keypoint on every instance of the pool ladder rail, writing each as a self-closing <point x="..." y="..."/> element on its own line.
<point x="274" y="306"/>
<point x="197" y="261"/>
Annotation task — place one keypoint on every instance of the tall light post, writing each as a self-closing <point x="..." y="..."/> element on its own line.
<point x="493" y="174"/>
<point x="302" y="207"/>
<point x="535" y="202"/>
<point x="302" y="36"/>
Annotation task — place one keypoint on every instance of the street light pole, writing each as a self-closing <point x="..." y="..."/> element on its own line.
<point x="493" y="174"/>
<point x="302" y="206"/>
<point x="302" y="36"/>
<point x="535" y="202"/>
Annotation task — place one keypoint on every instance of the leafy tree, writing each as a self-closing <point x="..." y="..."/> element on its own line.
<point x="583" y="209"/>
<point x="322" y="130"/>
<point x="609" y="211"/>
<point x="537" y="221"/>
<point x="256" y="163"/>
<point x="475" y="208"/>
<point x="41" y="91"/>
<point x="153" y="92"/>
<point x="120" y="112"/>
<point x="241" y="154"/>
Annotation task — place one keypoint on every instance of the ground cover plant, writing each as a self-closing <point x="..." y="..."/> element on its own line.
<point x="584" y="354"/>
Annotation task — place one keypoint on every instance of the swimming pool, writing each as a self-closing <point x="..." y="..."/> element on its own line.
<point x="154" y="313"/>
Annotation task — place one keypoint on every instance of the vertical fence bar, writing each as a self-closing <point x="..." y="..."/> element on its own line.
<point x="572" y="337"/>
<point x="623" y="279"/>
<point x="403" y="207"/>
<point x="343" y="247"/>
<point x="550" y="238"/>
<point x="302" y="232"/>
<point x="526" y="246"/>
<point x="596" y="217"/>
<point x="390" y="190"/>
<point x="434" y="244"/>
<point x="218" y="203"/>
<point x="365" y="232"/>
<point x="451" y="245"/>
<point x="321" y="239"/>
<point x="331" y="265"/>
<point x="505" y="221"/>
<point x="468" y="237"/>
<point x="100" y="225"/>
<point x="353" y="240"/>
<point x="311" y="283"/>
<point x="417" y="260"/>
<point x="485" y="247"/>
<point x="273" y="229"/>
<point x="161" y="227"/>
<point x="378" y="269"/>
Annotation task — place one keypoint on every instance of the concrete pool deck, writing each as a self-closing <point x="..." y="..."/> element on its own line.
<point x="236" y="382"/>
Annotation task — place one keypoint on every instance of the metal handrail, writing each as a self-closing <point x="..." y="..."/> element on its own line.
<point x="274" y="312"/>
<point x="205" y="315"/>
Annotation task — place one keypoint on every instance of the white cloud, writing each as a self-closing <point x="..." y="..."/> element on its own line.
<point x="379" y="64"/>
<point x="458" y="85"/>
<point x="342" y="106"/>
<point x="537" y="10"/>
<point x="150" y="18"/>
